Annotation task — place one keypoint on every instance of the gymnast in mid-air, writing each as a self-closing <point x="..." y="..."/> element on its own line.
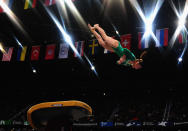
<point x="127" y="58"/>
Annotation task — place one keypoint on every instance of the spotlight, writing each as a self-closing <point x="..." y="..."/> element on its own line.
<point x="92" y="68"/>
<point x="2" y="48"/>
<point x="149" y="19"/>
<point x="181" y="23"/>
<point x="180" y="59"/>
<point x="91" y="65"/>
<point x="116" y="31"/>
<point x="34" y="70"/>
<point x="18" y="42"/>
<point x="148" y="27"/>
<point x="12" y="16"/>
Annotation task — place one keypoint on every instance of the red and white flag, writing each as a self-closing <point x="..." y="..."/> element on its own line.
<point x="8" y="54"/>
<point x="126" y="41"/>
<point x="35" y="51"/>
<point x="80" y="48"/>
<point x="50" y="52"/>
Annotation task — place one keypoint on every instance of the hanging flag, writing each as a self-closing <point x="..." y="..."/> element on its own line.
<point x="106" y="51"/>
<point x="126" y="41"/>
<point x="80" y="48"/>
<point x="63" y="51"/>
<point x="162" y="37"/>
<point x="35" y="51"/>
<point x="182" y="37"/>
<point x="8" y="54"/>
<point x="93" y="47"/>
<point x="50" y="52"/>
<point x="21" y="53"/>
<point x="30" y="4"/>
<point x="142" y="43"/>
<point x="50" y="2"/>
<point x="8" y="3"/>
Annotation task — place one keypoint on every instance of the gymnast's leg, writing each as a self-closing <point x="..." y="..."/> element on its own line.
<point x="108" y="40"/>
<point x="100" y="40"/>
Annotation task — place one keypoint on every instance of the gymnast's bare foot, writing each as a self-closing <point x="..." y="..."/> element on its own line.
<point x="96" y="25"/>
<point x="91" y="28"/>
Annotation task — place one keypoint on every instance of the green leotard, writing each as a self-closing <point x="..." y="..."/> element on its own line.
<point x="120" y="51"/>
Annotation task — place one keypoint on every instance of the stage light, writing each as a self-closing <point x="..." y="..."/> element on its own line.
<point x="117" y="32"/>
<point x="148" y="18"/>
<point x="1" y="48"/>
<point x="180" y="59"/>
<point x="181" y="21"/>
<point x="34" y="70"/>
<point x="13" y="17"/>
<point x="92" y="68"/>
<point x="18" y="42"/>
<point x="91" y="65"/>
<point x="148" y="27"/>
<point x="74" y="12"/>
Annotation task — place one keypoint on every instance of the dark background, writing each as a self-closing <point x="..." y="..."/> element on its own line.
<point x="160" y="78"/>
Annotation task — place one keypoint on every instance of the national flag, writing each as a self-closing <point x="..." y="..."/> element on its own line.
<point x="8" y="54"/>
<point x="50" y="2"/>
<point x="63" y="51"/>
<point x="8" y="3"/>
<point x="30" y="4"/>
<point x="106" y="51"/>
<point x="162" y="37"/>
<point x="50" y="52"/>
<point x="142" y="43"/>
<point x="21" y="53"/>
<point x="80" y="48"/>
<point x="35" y="51"/>
<point x="126" y="41"/>
<point x="182" y="37"/>
<point x="93" y="47"/>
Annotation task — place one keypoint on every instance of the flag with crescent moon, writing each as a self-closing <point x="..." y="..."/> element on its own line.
<point x="35" y="51"/>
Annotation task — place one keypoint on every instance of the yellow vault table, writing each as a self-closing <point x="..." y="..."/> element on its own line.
<point x="41" y="114"/>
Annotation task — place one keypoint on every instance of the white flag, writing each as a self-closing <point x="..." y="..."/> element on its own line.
<point x="63" y="51"/>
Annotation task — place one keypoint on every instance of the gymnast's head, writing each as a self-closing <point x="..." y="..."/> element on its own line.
<point x="138" y="63"/>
